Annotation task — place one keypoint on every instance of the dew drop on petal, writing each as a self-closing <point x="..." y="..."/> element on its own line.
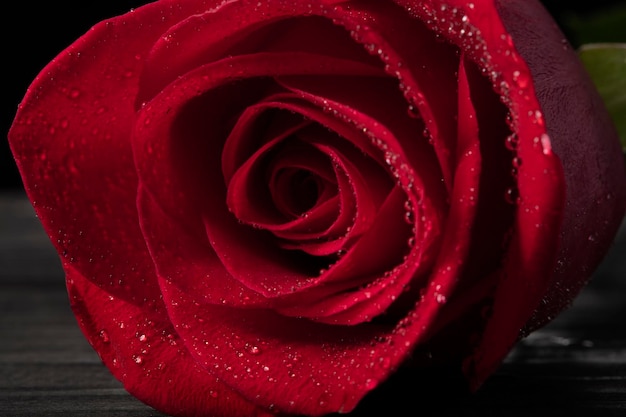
<point x="511" y="195"/>
<point x="521" y="79"/>
<point x="413" y="112"/>
<point x="370" y="384"/>
<point x="546" y="144"/>
<point x="512" y="142"/>
<point x="104" y="336"/>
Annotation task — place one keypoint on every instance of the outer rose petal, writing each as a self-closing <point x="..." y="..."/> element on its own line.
<point x="142" y="349"/>
<point x="71" y="141"/>
<point x="584" y="138"/>
<point x="556" y="211"/>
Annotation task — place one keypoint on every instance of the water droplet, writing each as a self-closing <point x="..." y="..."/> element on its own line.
<point x="104" y="336"/>
<point x="521" y="79"/>
<point x="385" y="363"/>
<point x="370" y="384"/>
<point x="138" y="359"/>
<point x="546" y="144"/>
<point x="511" y="195"/>
<point x="413" y="112"/>
<point x="512" y="142"/>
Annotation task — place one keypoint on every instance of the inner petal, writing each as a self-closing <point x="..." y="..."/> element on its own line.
<point x="266" y="191"/>
<point x="231" y="30"/>
<point x="295" y="191"/>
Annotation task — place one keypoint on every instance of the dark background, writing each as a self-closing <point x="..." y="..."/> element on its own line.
<point x="34" y="33"/>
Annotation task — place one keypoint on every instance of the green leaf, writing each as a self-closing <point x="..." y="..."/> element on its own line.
<point x="606" y="64"/>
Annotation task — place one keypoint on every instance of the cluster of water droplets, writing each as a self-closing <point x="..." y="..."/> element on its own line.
<point x="141" y="338"/>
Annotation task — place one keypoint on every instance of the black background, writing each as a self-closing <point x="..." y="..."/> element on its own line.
<point x="34" y="33"/>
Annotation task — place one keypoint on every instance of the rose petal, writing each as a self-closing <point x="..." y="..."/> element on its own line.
<point x="347" y="97"/>
<point x="369" y="265"/>
<point x="249" y="197"/>
<point x="303" y="174"/>
<point x="169" y="161"/>
<point x="142" y="349"/>
<point x="244" y="138"/>
<point x="395" y="282"/>
<point x="274" y="361"/>
<point x="71" y="142"/>
<point x="596" y="189"/>
<point x="539" y="178"/>
<point x="188" y="259"/>
<point x="240" y="28"/>
<point x="424" y="66"/>
<point x="460" y="268"/>
<point x="243" y="142"/>
<point x="366" y="182"/>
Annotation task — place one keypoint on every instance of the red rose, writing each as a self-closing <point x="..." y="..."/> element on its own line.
<point x="268" y="206"/>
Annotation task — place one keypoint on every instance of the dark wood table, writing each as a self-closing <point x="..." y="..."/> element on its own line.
<point x="576" y="366"/>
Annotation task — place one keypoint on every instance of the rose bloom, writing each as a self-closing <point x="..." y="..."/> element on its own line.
<point x="269" y="206"/>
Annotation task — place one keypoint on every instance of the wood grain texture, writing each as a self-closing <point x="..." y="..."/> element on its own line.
<point x="576" y="366"/>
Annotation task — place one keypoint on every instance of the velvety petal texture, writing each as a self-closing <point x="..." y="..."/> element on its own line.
<point x="268" y="207"/>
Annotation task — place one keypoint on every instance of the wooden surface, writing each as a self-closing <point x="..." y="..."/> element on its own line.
<point x="576" y="366"/>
